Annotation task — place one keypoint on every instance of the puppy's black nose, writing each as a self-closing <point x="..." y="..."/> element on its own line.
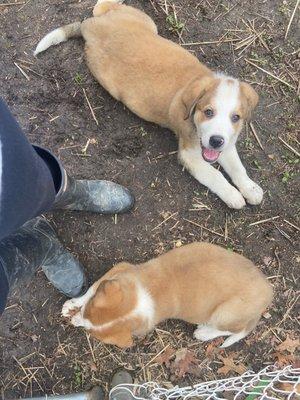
<point x="216" y="141"/>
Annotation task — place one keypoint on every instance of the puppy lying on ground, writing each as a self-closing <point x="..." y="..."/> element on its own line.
<point x="220" y="291"/>
<point x="163" y="83"/>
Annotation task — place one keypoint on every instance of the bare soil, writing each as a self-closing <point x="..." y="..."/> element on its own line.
<point x="39" y="353"/>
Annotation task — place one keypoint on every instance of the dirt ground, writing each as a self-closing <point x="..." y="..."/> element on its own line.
<point x="39" y="353"/>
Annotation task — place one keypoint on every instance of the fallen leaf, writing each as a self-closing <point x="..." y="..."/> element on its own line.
<point x="289" y="345"/>
<point x="185" y="362"/>
<point x="282" y="360"/>
<point x="34" y="338"/>
<point x="267" y="260"/>
<point x="231" y="365"/>
<point x="213" y="346"/>
<point x="165" y="357"/>
<point x="288" y="387"/>
<point x="93" y="366"/>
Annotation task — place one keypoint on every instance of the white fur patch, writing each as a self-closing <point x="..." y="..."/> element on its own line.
<point x="52" y="38"/>
<point x="145" y="305"/>
<point x="225" y="103"/>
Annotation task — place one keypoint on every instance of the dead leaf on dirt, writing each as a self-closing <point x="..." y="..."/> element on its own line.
<point x="288" y="387"/>
<point x="289" y="345"/>
<point x="231" y="365"/>
<point x="34" y="338"/>
<point x="165" y="357"/>
<point x="185" y="362"/>
<point x="267" y="260"/>
<point x="213" y="347"/>
<point x="93" y="366"/>
<point x="282" y="360"/>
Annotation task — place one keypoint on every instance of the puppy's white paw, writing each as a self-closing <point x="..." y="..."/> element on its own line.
<point x="77" y="320"/>
<point x="200" y="335"/>
<point x="252" y="192"/>
<point x="70" y="308"/>
<point x="234" y="199"/>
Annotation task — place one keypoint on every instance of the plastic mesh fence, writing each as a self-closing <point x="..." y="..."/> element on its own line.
<point x="269" y="383"/>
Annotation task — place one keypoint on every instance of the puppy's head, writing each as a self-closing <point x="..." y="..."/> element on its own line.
<point x="113" y="300"/>
<point x="218" y="106"/>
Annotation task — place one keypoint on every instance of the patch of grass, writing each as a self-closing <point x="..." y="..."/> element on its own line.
<point x="143" y="132"/>
<point x="257" y="165"/>
<point x="284" y="8"/>
<point x="249" y="144"/>
<point x="287" y="176"/>
<point x="78" y="78"/>
<point x="229" y="247"/>
<point x="291" y="160"/>
<point x="78" y="378"/>
<point x="174" y="24"/>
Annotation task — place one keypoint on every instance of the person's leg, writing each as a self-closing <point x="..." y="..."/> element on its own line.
<point x="26" y="184"/>
<point x="33" y="181"/>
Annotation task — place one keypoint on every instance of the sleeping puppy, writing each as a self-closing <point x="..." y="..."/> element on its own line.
<point x="163" y="83"/>
<point x="222" y="292"/>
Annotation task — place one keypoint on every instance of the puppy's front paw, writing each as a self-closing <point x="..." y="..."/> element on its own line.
<point x="77" y="320"/>
<point x="252" y="192"/>
<point x="234" y="199"/>
<point x="70" y="308"/>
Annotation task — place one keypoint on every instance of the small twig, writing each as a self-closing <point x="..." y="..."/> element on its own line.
<point x="294" y="226"/>
<point x="270" y="73"/>
<point x="210" y="42"/>
<point x="155" y="357"/>
<point x="204" y="227"/>
<point x="262" y="221"/>
<point x="291" y="19"/>
<point x="91" y="348"/>
<point x="91" y="108"/>
<point x="11" y="4"/>
<point x="289" y="146"/>
<point x="255" y="135"/>
<point x="22" y="72"/>
<point x="84" y="150"/>
<point x="165" y="220"/>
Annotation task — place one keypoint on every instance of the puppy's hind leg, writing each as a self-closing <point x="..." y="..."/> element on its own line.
<point x="235" y="337"/>
<point x="207" y="332"/>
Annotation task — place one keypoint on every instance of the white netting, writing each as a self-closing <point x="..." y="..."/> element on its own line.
<point x="267" y="384"/>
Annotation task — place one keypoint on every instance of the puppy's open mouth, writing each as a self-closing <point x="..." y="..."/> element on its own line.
<point x="210" y="155"/>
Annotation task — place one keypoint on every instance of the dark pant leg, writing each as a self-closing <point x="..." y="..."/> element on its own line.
<point x="26" y="183"/>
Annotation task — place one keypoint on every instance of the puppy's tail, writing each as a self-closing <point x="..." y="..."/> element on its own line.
<point x="59" y="35"/>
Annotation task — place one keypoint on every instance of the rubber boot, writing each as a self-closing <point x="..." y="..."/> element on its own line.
<point x="35" y="245"/>
<point x="122" y="378"/>
<point x="97" y="196"/>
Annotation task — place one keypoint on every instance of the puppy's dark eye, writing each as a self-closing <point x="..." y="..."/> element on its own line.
<point x="235" y="118"/>
<point x="209" y="113"/>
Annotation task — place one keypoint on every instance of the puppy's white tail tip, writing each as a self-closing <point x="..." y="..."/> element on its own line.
<point x="52" y="38"/>
<point x="233" y="339"/>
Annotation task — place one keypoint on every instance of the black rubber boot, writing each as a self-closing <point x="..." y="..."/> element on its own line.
<point x="35" y="245"/>
<point x="98" y="196"/>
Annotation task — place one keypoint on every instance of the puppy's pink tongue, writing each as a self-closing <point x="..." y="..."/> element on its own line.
<point x="210" y="154"/>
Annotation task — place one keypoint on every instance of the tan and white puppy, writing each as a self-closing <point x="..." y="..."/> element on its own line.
<point x="163" y="83"/>
<point x="220" y="291"/>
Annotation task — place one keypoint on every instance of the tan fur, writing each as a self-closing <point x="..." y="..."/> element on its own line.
<point x="197" y="283"/>
<point x="164" y="82"/>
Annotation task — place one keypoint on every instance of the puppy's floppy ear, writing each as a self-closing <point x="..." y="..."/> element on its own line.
<point x="193" y="93"/>
<point x="108" y="294"/>
<point x="251" y="98"/>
